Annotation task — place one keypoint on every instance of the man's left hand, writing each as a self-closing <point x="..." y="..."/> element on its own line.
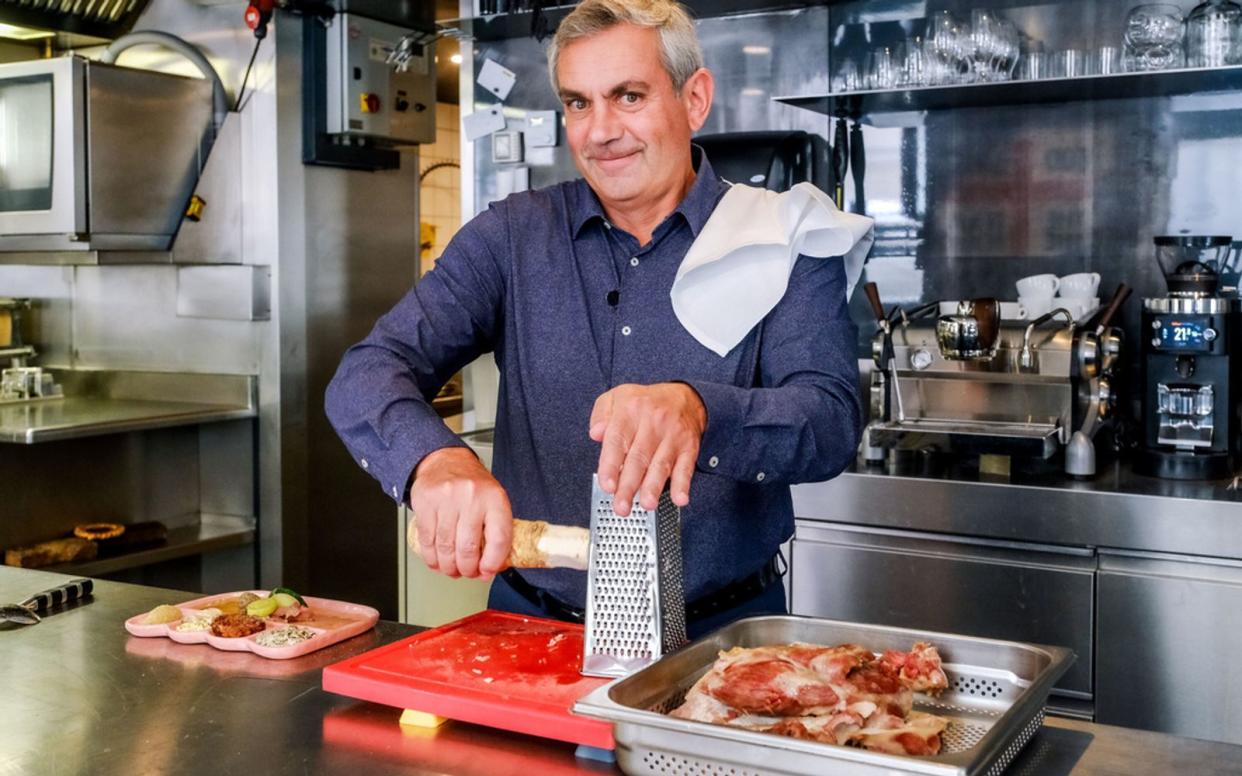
<point x="649" y="436"/>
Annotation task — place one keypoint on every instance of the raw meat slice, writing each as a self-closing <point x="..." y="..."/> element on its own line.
<point x="770" y="681"/>
<point x="919" y="669"/>
<point x="918" y="734"/>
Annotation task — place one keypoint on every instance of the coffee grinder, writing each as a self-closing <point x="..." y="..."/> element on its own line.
<point x="1192" y="347"/>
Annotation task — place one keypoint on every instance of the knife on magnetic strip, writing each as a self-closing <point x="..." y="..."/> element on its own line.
<point x="27" y="612"/>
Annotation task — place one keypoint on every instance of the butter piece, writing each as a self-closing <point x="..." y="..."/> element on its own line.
<point x="421" y="719"/>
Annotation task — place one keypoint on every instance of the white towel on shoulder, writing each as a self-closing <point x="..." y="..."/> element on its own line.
<point x="738" y="268"/>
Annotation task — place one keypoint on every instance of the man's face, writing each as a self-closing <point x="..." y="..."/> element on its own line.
<point x="628" y="129"/>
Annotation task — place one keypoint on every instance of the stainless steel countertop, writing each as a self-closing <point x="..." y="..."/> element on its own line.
<point x="1116" y="509"/>
<point x="80" y="416"/>
<point x="82" y="696"/>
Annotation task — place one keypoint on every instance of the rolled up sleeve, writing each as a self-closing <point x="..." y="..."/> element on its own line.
<point x="801" y="423"/>
<point x="379" y="401"/>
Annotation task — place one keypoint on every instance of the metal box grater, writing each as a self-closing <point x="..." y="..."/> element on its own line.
<point x="636" y="604"/>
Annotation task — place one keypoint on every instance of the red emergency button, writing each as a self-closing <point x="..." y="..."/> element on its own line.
<point x="370" y="102"/>
<point x="253" y="17"/>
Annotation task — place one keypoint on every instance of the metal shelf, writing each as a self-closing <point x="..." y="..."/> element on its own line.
<point x="104" y="402"/>
<point x="1165" y="83"/>
<point x="85" y="258"/>
<point x="517" y="25"/>
<point x="211" y="533"/>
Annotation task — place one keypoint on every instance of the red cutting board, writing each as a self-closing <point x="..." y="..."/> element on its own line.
<point x="492" y="668"/>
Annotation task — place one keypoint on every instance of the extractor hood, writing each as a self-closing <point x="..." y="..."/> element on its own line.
<point x="96" y="18"/>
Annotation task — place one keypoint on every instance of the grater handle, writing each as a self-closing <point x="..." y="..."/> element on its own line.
<point x="538" y="544"/>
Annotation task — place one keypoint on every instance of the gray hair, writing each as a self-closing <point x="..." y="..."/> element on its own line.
<point x="680" y="52"/>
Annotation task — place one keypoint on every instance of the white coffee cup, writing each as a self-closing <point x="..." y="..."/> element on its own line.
<point x="1080" y="285"/>
<point x="1038" y="285"/>
<point x="1036" y="305"/>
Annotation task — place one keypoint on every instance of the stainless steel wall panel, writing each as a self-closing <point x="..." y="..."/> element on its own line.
<point x="348" y="243"/>
<point x="1014" y="592"/>
<point x="126" y="318"/>
<point x="227" y="468"/>
<point x="1167" y="646"/>
<point x="230" y="292"/>
<point x="216" y="235"/>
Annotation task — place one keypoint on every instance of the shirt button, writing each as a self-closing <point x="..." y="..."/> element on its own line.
<point x="626" y="330"/>
<point x="713" y="462"/>
<point x="364" y="463"/>
<point x="759" y="477"/>
<point x="634" y="261"/>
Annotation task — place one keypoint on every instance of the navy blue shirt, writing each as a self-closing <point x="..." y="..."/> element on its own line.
<point x="530" y="281"/>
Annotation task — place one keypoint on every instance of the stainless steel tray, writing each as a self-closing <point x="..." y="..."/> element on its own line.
<point x="994" y="704"/>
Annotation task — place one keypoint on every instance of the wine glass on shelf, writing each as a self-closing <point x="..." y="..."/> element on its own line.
<point x="944" y="47"/>
<point x="983" y="44"/>
<point x="1008" y="50"/>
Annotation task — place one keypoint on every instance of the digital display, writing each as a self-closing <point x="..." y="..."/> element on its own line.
<point x="1185" y="335"/>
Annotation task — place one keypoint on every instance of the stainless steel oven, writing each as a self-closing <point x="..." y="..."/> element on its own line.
<point x="96" y="157"/>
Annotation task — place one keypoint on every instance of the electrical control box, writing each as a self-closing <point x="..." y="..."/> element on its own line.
<point x="368" y="93"/>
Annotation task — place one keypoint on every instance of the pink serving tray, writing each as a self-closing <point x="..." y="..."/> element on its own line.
<point x="331" y="620"/>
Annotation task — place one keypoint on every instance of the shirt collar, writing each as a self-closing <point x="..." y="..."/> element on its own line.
<point x="695" y="208"/>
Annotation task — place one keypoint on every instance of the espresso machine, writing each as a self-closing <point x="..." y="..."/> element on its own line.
<point x="1191" y="362"/>
<point x="967" y="383"/>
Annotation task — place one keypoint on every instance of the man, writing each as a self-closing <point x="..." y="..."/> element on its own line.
<point x="569" y="287"/>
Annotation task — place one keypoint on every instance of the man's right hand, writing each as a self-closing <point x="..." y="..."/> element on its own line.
<point x="464" y="524"/>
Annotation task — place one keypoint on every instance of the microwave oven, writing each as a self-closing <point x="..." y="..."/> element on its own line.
<point x="96" y="157"/>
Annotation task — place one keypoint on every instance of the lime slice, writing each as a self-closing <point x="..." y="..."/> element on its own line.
<point x="262" y="607"/>
<point x="284" y="599"/>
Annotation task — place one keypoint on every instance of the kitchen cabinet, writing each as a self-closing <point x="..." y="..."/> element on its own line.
<point x="1003" y="590"/>
<point x="1168" y="632"/>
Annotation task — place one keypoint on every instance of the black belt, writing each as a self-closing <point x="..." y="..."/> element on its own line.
<point x="731" y="595"/>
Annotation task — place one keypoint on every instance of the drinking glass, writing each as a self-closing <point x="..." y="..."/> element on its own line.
<point x="881" y="69"/>
<point x="1108" y="60"/>
<point x="1214" y="34"/>
<point x="1034" y="66"/>
<point x="914" y="70"/>
<point x="848" y="78"/>
<point x="1068" y="64"/>
<point x="1153" y="37"/>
